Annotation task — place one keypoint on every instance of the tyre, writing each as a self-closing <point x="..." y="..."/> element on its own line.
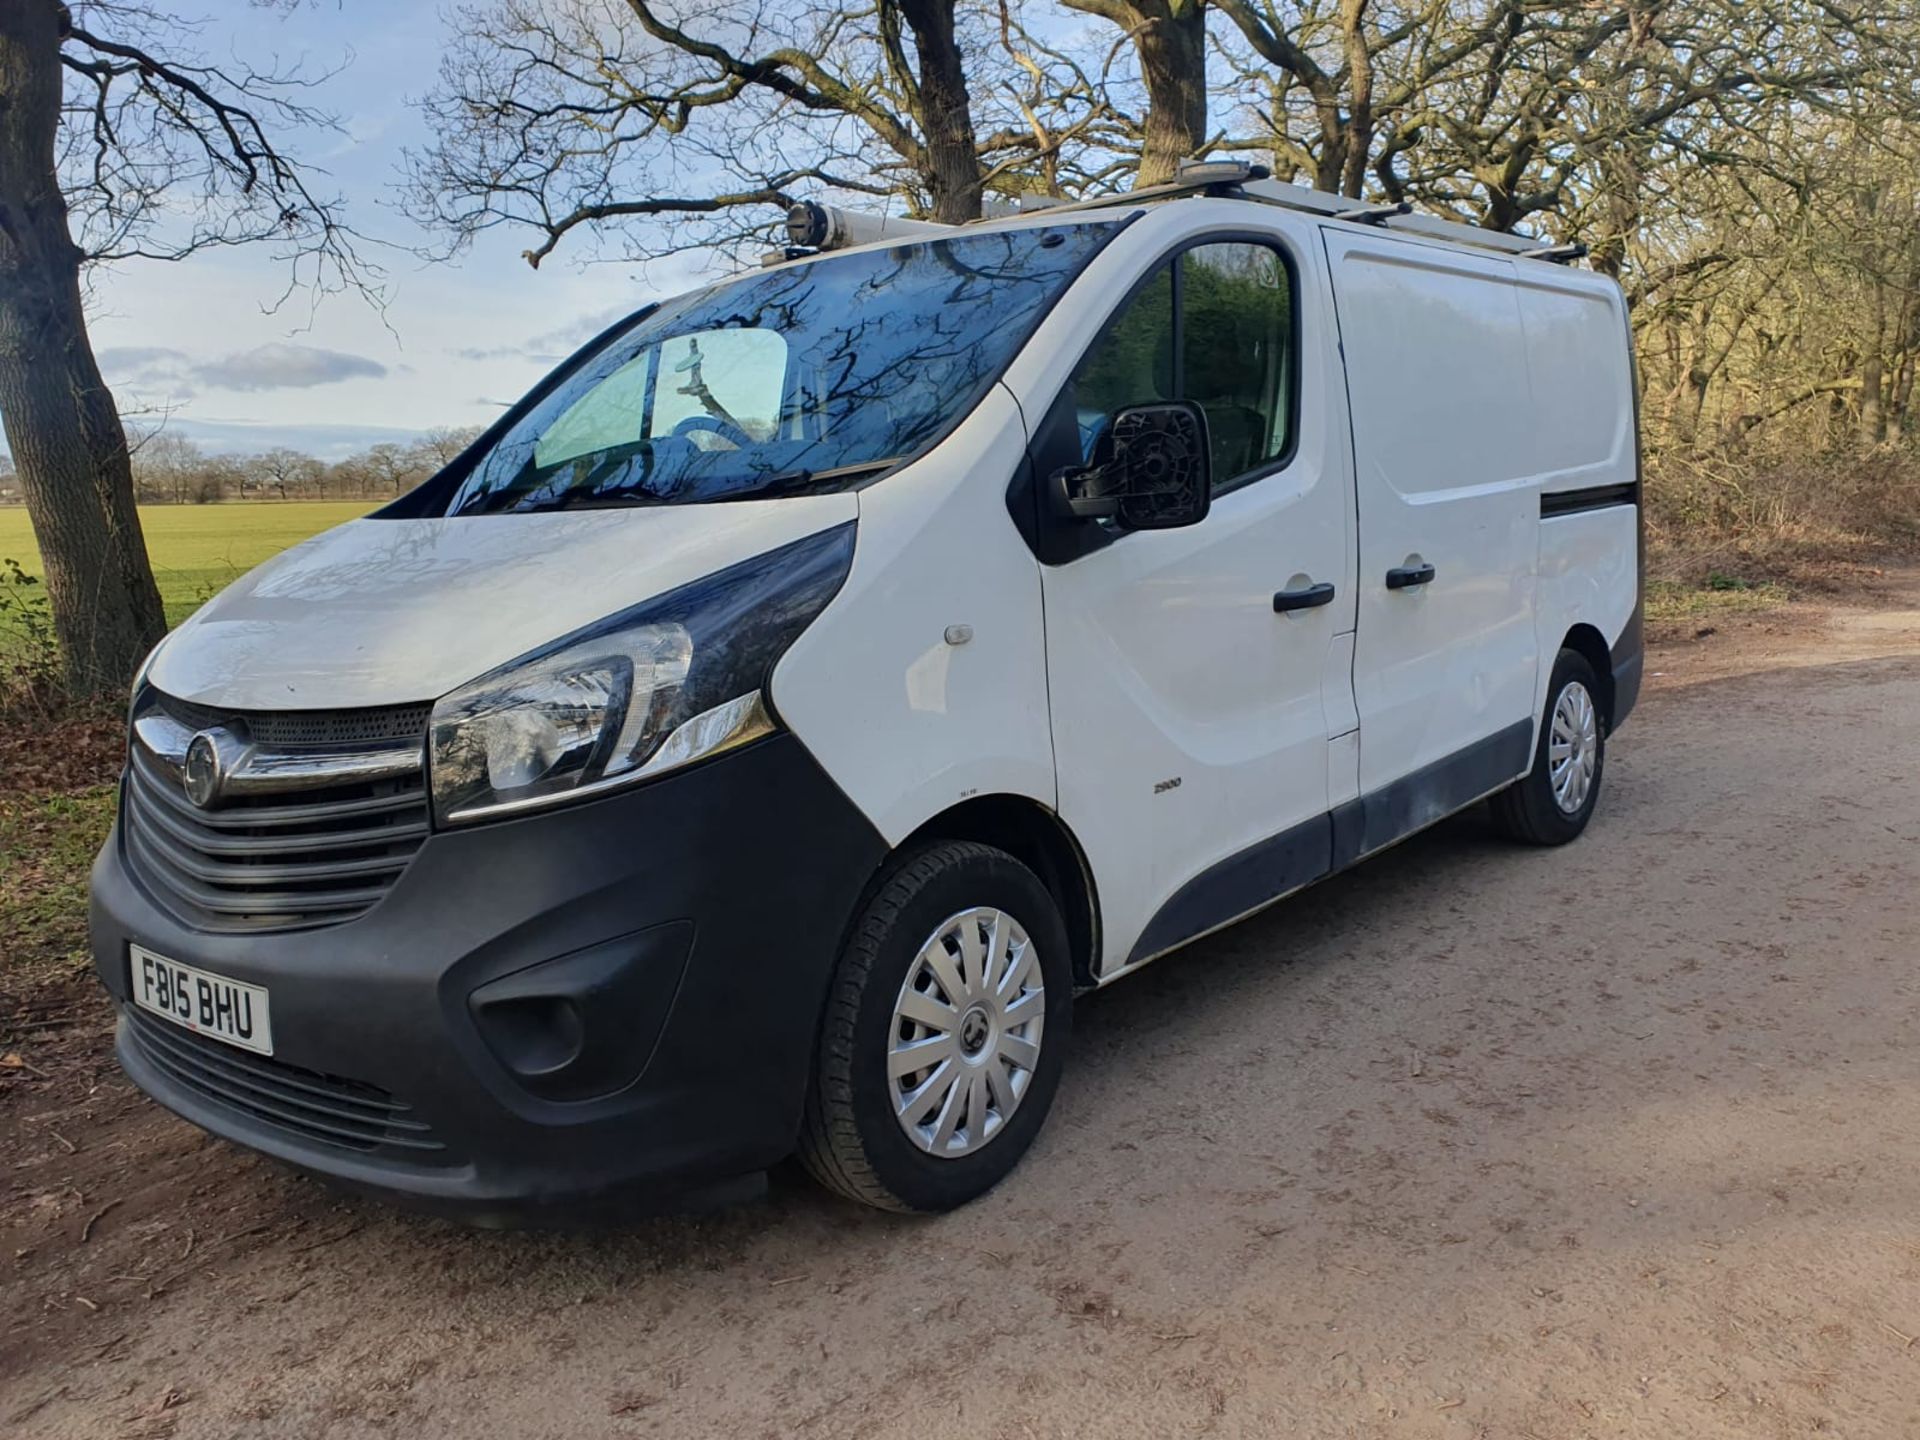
<point x="945" y="1032"/>
<point x="1552" y="802"/>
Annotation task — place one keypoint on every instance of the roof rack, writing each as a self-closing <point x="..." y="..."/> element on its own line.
<point x="1236" y="179"/>
<point x="1405" y="219"/>
<point x="811" y="226"/>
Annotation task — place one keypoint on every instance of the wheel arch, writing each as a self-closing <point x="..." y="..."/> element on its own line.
<point x="1591" y="646"/>
<point x="1039" y="839"/>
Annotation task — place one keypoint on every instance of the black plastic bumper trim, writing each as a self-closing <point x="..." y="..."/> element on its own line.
<point x="1629" y="666"/>
<point x="1255" y="877"/>
<point x="750" y="864"/>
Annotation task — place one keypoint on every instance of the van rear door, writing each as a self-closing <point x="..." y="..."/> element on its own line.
<point x="1445" y="655"/>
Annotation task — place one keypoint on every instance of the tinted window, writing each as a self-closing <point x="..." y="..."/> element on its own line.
<point x="1231" y="350"/>
<point x="1236" y="333"/>
<point x="801" y="378"/>
<point x="1131" y="364"/>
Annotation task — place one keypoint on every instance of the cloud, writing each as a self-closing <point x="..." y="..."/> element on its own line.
<point x="571" y="337"/>
<point x="287" y="367"/>
<point x="495" y="352"/>
<point x="148" y="367"/>
<point x="266" y="367"/>
<point x="551" y="346"/>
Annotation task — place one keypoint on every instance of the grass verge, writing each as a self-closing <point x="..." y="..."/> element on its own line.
<point x="56" y="806"/>
<point x="198" y="550"/>
<point x="1670" y="600"/>
<point x="47" y="844"/>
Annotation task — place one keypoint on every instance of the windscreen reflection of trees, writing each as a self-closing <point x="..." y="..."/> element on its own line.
<point x="884" y="352"/>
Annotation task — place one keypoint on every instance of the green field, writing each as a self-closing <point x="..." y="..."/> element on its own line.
<point x="198" y="550"/>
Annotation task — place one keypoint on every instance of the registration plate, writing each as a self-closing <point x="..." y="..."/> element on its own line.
<point x="203" y="1002"/>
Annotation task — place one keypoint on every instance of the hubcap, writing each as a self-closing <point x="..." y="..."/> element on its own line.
<point x="966" y="1032"/>
<point x="1573" y="747"/>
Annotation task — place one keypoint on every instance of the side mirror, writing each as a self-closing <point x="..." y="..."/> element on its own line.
<point x="1151" y="470"/>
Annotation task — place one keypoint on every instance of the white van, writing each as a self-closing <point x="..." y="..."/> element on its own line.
<point x="756" y="740"/>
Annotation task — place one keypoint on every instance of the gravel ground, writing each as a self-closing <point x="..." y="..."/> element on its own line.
<point x="1617" y="1140"/>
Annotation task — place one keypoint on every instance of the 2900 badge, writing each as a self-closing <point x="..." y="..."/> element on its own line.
<point x="205" y="1003"/>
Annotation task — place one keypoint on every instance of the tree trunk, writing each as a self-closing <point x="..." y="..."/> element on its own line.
<point x="1172" y="46"/>
<point x="1359" y="142"/>
<point x="60" y="420"/>
<point x="1693" y="406"/>
<point x="1873" y="412"/>
<point x="1169" y="39"/>
<point x="946" y="114"/>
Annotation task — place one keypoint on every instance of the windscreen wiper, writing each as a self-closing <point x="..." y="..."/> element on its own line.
<point x="787" y="482"/>
<point x="598" y="499"/>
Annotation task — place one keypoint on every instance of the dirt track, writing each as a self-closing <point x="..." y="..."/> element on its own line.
<point x="1622" y="1140"/>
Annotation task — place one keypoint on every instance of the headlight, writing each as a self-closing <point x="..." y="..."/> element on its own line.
<point x="656" y="687"/>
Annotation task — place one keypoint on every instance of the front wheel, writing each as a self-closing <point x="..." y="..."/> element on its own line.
<point x="1552" y="802"/>
<point x="945" y="1032"/>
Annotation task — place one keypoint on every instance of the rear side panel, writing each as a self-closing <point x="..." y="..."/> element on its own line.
<point x="1581" y="386"/>
<point x="1437" y="378"/>
<point x="1589" y="574"/>
<point x="1493" y="414"/>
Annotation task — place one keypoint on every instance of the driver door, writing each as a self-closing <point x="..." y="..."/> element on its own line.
<point x="1191" y="717"/>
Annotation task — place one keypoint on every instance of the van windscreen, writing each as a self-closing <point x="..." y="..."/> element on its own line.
<point x="797" y="380"/>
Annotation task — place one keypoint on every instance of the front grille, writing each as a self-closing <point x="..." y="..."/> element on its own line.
<point x="312" y="837"/>
<point x="346" y="1114"/>
<point x="298" y="729"/>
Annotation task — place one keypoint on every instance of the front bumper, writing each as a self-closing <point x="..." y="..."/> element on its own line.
<point x="577" y="1006"/>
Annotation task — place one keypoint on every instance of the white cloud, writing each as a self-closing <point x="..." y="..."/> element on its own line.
<point x="287" y="367"/>
<point x="148" y="367"/>
<point x="551" y="346"/>
<point x="160" y="368"/>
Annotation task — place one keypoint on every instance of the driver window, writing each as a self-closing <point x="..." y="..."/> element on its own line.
<point x="1236" y="343"/>
<point x="1230" y="351"/>
<point x="1130" y="364"/>
<point x="719" y="382"/>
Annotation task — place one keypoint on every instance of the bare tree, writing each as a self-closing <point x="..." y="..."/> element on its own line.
<point x="104" y="115"/>
<point x="440" y="445"/>
<point x="286" y="473"/>
<point x="563" y="115"/>
<point x="166" y="468"/>
<point x="392" y="468"/>
<point x="1508" y="110"/>
<point x="1169" y="39"/>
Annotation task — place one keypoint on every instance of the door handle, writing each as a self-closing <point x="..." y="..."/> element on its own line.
<point x="1405" y="577"/>
<point x="1306" y="599"/>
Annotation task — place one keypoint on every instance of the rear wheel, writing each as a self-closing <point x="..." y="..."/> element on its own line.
<point x="945" y="1032"/>
<point x="1552" y="803"/>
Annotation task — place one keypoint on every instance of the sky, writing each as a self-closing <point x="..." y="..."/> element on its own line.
<point x="198" y="340"/>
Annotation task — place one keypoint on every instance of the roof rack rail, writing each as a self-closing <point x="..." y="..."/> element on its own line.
<point x="1560" y="254"/>
<point x="1374" y="214"/>
<point x="826" y="228"/>
<point x="1406" y="220"/>
<point x="1242" y="181"/>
